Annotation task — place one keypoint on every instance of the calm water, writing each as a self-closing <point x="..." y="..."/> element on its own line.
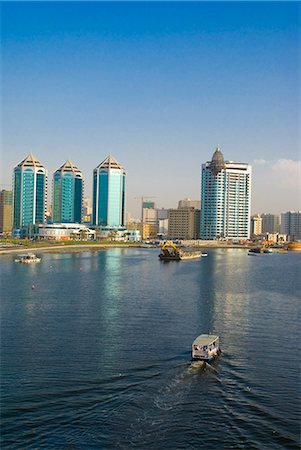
<point x="97" y="356"/>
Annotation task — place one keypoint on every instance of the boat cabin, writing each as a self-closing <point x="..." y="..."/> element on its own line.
<point x="205" y="347"/>
<point x="28" y="258"/>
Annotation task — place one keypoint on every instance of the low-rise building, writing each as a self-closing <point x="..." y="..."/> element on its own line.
<point x="5" y="211"/>
<point x="62" y="232"/>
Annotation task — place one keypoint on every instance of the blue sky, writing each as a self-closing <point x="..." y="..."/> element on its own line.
<point x="158" y="85"/>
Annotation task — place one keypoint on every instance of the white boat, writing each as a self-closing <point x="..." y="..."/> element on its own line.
<point x="205" y="347"/>
<point x="28" y="258"/>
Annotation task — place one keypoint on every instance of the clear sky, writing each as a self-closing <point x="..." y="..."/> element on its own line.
<point x="158" y="85"/>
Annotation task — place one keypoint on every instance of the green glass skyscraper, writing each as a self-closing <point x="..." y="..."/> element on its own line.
<point x="67" y="194"/>
<point x="109" y="194"/>
<point x="30" y="188"/>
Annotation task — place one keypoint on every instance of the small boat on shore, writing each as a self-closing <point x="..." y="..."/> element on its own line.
<point x="170" y="252"/>
<point x="28" y="258"/>
<point x="205" y="348"/>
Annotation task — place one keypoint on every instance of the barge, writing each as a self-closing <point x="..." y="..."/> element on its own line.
<point x="170" y="252"/>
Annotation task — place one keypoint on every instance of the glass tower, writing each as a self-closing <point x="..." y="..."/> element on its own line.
<point x="67" y="194"/>
<point x="109" y="194"/>
<point x="225" y="199"/>
<point x="30" y="188"/>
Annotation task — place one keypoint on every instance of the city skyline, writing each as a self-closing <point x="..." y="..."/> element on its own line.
<point x="89" y="195"/>
<point x="159" y="86"/>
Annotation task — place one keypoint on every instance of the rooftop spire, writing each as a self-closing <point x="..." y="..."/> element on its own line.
<point x="110" y="162"/>
<point x="217" y="163"/>
<point x="30" y="161"/>
<point x="68" y="166"/>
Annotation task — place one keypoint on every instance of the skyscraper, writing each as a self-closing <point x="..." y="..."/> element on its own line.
<point x="30" y="189"/>
<point x="291" y="224"/>
<point x="109" y="193"/>
<point x="270" y="223"/>
<point x="67" y="194"/>
<point x="225" y="199"/>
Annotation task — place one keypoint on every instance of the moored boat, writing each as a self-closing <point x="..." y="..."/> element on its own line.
<point x="28" y="258"/>
<point x="170" y="252"/>
<point x="205" y="348"/>
<point x="259" y="250"/>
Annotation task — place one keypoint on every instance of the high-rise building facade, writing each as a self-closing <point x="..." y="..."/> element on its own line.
<point x="29" y="193"/>
<point x="181" y="223"/>
<point x="291" y="224"/>
<point x="5" y="211"/>
<point x="270" y="223"/>
<point x="109" y="193"/>
<point x="68" y="187"/>
<point x="225" y="199"/>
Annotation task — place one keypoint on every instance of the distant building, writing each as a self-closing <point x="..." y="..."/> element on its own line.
<point x="149" y="215"/>
<point x="109" y="193"/>
<point x="291" y="224"/>
<point x="181" y="223"/>
<point x="87" y="207"/>
<point x="256" y="225"/>
<point x="29" y="192"/>
<point x="67" y="194"/>
<point x="162" y="217"/>
<point x="225" y="199"/>
<point x="133" y="236"/>
<point x="276" y="238"/>
<point x="270" y="223"/>
<point x="163" y="228"/>
<point x="5" y="211"/>
<point x="149" y="221"/>
<point x="148" y="230"/>
<point x="111" y="233"/>
<point x="63" y="232"/>
<point x="187" y="203"/>
<point x="146" y="204"/>
<point x="162" y="213"/>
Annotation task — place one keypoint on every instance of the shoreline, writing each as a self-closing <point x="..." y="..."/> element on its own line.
<point x="59" y="248"/>
<point x="98" y="247"/>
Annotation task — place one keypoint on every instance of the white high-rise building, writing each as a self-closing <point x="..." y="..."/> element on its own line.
<point x="225" y="199"/>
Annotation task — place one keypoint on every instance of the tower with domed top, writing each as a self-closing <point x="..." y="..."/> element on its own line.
<point x="225" y="199"/>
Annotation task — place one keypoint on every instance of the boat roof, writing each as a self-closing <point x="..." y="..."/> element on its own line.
<point x="205" y="339"/>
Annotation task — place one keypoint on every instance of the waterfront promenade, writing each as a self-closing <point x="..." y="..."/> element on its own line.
<point x="90" y="245"/>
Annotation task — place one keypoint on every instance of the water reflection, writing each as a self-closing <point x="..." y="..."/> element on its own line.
<point x="97" y="356"/>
